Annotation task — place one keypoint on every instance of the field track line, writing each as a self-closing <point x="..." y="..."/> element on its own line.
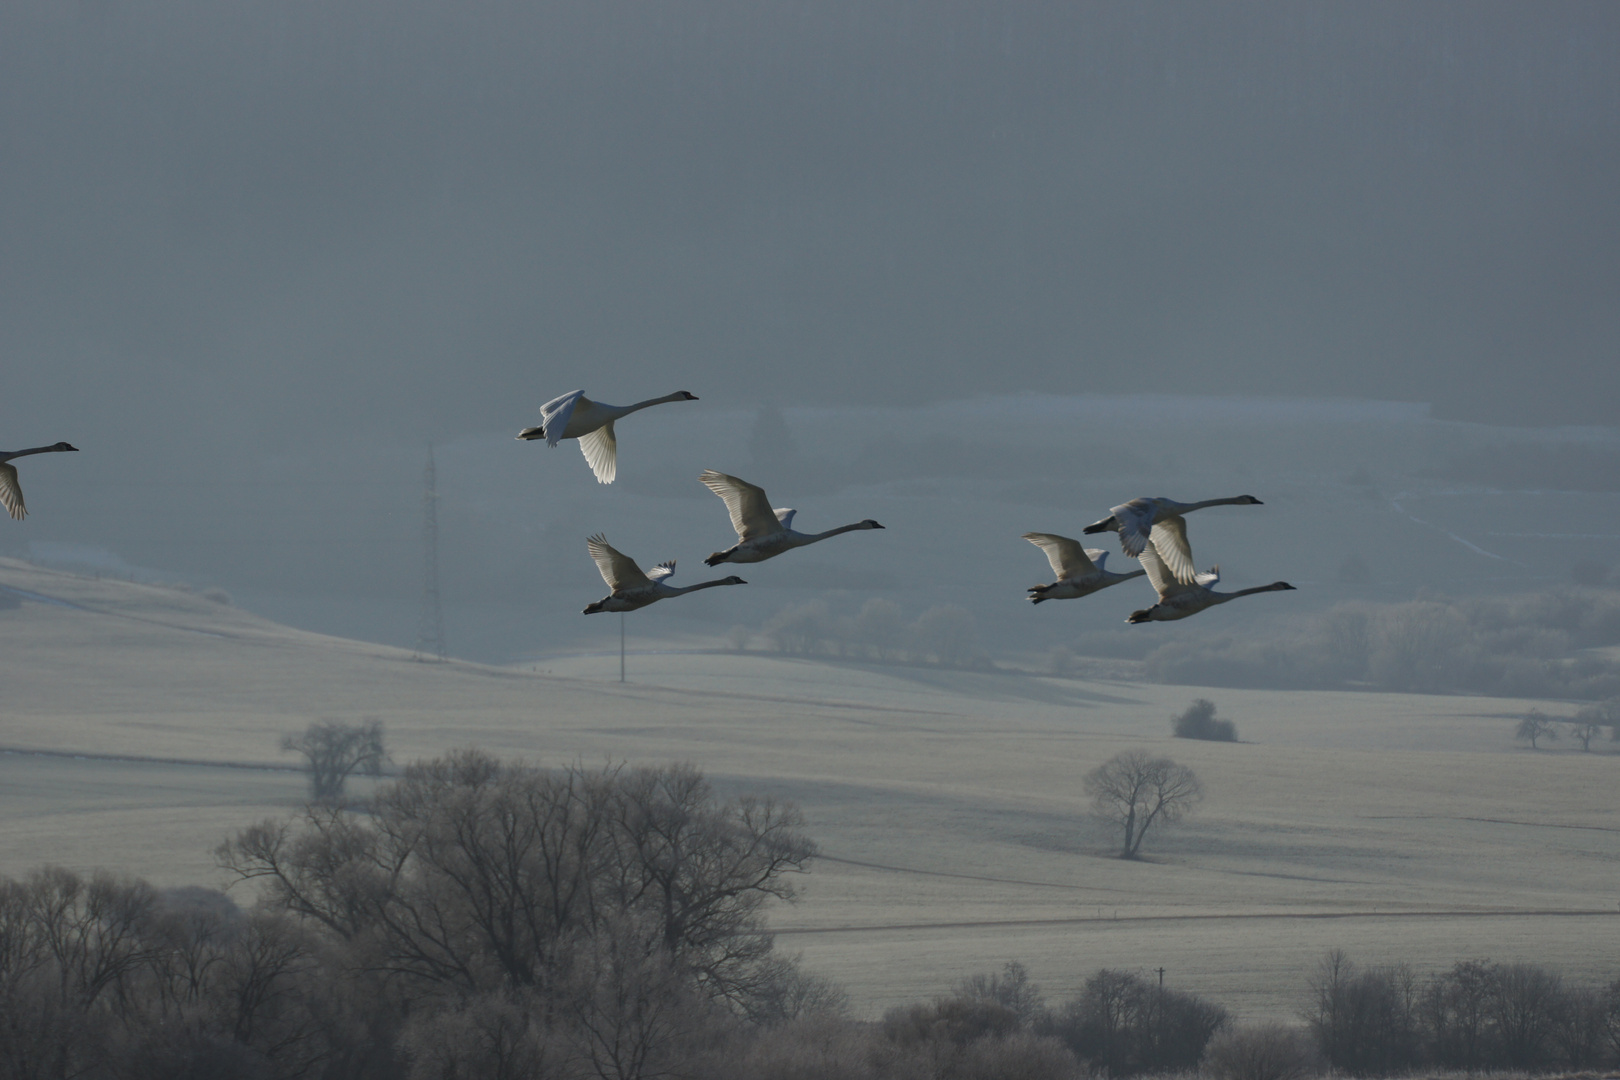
<point x="1084" y="920"/>
<point x="968" y="877"/>
<point x="139" y="759"/>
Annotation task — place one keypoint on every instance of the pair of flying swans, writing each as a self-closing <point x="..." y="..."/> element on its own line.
<point x="11" y="496"/>
<point x="575" y="416"/>
<point x="762" y="533"/>
<point x="1154" y="530"/>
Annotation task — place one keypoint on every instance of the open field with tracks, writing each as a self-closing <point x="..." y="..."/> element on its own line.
<point x="140" y="726"/>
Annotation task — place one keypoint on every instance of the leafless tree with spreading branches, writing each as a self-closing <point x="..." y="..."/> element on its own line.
<point x="1134" y="790"/>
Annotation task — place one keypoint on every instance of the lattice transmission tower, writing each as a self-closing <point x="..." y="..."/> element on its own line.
<point x="430" y="632"/>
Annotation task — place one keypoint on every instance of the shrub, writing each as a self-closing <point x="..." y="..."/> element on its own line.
<point x="1261" y="1052"/>
<point x="1199" y="722"/>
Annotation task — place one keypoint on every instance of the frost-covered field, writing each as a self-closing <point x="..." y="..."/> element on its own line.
<point x="948" y="805"/>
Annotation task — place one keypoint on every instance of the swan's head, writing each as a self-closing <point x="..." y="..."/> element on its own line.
<point x="685" y="396"/>
<point x="64" y="446"/>
<point x="1249" y="500"/>
<point x="870" y="524"/>
<point x="735" y="580"/>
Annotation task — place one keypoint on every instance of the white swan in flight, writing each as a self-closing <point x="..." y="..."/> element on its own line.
<point x="1080" y="571"/>
<point x="1135" y="522"/>
<point x="762" y="533"/>
<point x="1178" y="599"/>
<point x="11" y="496"/>
<point x="633" y="589"/>
<point x="575" y="416"/>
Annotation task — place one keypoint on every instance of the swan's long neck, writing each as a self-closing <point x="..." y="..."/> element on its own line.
<point x="8" y="455"/>
<point x="681" y="590"/>
<point x="1275" y="586"/>
<point x="626" y="410"/>
<point x="1236" y="500"/>
<point x="810" y="538"/>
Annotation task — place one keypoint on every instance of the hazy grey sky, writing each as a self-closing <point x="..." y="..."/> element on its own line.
<point x="279" y="220"/>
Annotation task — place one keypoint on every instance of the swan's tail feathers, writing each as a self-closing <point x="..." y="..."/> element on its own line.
<point x="529" y="434"/>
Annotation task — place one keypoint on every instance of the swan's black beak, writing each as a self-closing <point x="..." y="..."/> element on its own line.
<point x="66" y="446"/>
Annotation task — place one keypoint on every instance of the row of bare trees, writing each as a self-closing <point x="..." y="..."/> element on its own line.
<point x="1479" y="1015"/>
<point x="945" y="634"/>
<point x="1534" y="645"/>
<point x="1585" y="727"/>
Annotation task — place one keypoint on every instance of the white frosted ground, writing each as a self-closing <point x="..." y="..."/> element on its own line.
<point x="948" y="805"/>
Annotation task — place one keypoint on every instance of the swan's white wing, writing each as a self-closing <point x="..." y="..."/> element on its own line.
<point x="554" y="415"/>
<point x="617" y="569"/>
<point x="1098" y="557"/>
<point x="1163" y="582"/>
<point x="1213" y="577"/>
<point x="750" y="510"/>
<point x="11" y="492"/>
<point x="1067" y="557"/>
<point x="601" y="452"/>
<point x="785" y="516"/>
<point x="1169" y="538"/>
<point x="1135" y="523"/>
<point x="662" y="571"/>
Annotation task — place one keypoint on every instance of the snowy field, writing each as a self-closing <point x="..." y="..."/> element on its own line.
<point x="948" y="805"/>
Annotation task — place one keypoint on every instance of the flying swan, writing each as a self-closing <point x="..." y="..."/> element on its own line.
<point x="575" y="416"/>
<point x="1136" y="523"/>
<point x="11" y="496"/>
<point x="633" y="589"/>
<point x="1080" y="571"/>
<point x="762" y="533"/>
<point x="1177" y="599"/>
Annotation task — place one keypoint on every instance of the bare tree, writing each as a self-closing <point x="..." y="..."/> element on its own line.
<point x="1535" y="725"/>
<point x="1134" y="790"/>
<point x="1587" y="725"/>
<point x="336" y="750"/>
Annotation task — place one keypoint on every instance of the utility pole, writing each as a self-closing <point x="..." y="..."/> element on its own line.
<point x="430" y="631"/>
<point x="621" y="646"/>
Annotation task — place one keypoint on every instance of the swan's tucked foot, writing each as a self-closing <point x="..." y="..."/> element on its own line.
<point x="718" y="557"/>
<point x="529" y="434"/>
<point x="1145" y="615"/>
<point x="1106" y="525"/>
